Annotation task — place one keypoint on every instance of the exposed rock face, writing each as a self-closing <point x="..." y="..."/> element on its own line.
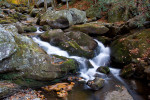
<point x="23" y="58"/>
<point x="63" y="18"/>
<point x="94" y="28"/>
<point x="134" y="50"/>
<point x="121" y="94"/>
<point x="7" y="88"/>
<point x="76" y="43"/>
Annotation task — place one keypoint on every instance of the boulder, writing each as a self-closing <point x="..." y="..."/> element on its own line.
<point x="120" y="13"/>
<point x="103" y="69"/>
<point x="96" y="84"/>
<point x="121" y="94"/>
<point x="71" y="42"/>
<point x="93" y="28"/>
<point x="128" y="48"/>
<point x="26" y="61"/>
<point x="19" y="26"/>
<point x="133" y="51"/>
<point x="30" y="29"/>
<point x="40" y="3"/>
<point x="7" y="88"/>
<point x="63" y="18"/>
<point x="34" y="12"/>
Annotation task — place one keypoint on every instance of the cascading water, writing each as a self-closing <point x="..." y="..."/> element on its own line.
<point x="101" y="59"/>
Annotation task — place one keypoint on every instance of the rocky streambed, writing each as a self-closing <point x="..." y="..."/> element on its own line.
<point x="36" y="56"/>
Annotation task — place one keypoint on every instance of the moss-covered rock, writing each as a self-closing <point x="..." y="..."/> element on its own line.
<point x="18" y="16"/>
<point x="128" y="71"/>
<point x="71" y="42"/>
<point x="94" y="28"/>
<point x="128" y="48"/>
<point x="30" y="29"/>
<point x="120" y="13"/>
<point x="105" y="40"/>
<point x="103" y="69"/>
<point x="22" y="9"/>
<point x="30" y="62"/>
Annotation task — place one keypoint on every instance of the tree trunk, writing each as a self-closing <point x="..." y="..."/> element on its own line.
<point x="45" y="5"/>
<point x="28" y="3"/>
<point x="67" y="4"/>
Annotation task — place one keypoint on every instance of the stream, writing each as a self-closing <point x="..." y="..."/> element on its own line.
<point x="102" y="58"/>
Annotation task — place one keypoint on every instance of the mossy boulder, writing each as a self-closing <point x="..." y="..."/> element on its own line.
<point x="35" y="12"/>
<point x="103" y="69"/>
<point x="7" y="89"/>
<point x="105" y="40"/>
<point x="22" y="9"/>
<point x="128" y="71"/>
<point x="93" y="28"/>
<point x="120" y="13"/>
<point x="130" y="47"/>
<point x="29" y="61"/>
<point x="71" y="42"/>
<point x="96" y="84"/>
<point x="63" y="18"/>
<point x="30" y="29"/>
<point x="18" y="16"/>
<point x="7" y="20"/>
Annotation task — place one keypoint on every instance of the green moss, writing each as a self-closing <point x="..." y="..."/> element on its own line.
<point x="74" y="44"/>
<point x="30" y="29"/>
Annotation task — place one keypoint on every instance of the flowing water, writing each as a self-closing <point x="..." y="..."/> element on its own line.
<point x="102" y="57"/>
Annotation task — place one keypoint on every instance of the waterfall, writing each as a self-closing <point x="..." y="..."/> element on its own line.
<point x="101" y="59"/>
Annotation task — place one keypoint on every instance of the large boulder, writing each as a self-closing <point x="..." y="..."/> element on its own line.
<point x="71" y="42"/>
<point x="24" y="59"/>
<point x="63" y="18"/>
<point x="128" y="48"/>
<point x="7" y="88"/>
<point x="134" y="52"/>
<point x="93" y="28"/>
<point x="121" y="13"/>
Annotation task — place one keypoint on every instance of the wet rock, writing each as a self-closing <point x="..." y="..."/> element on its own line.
<point x="128" y="71"/>
<point x="96" y="84"/>
<point x="7" y="88"/>
<point x="103" y="69"/>
<point x="45" y="28"/>
<point x="30" y="29"/>
<point x="27" y="61"/>
<point x="105" y="40"/>
<point x="121" y="94"/>
<point x="63" y="18"/>
<point x="93" y="28"/>
<point x="71" y="42"/>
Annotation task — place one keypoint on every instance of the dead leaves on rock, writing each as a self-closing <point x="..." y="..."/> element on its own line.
<point x="60" y="88"/>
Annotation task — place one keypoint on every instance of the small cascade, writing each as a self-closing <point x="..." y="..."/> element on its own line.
<point x="101" y="59"/>
<point x="49" y="48"/>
